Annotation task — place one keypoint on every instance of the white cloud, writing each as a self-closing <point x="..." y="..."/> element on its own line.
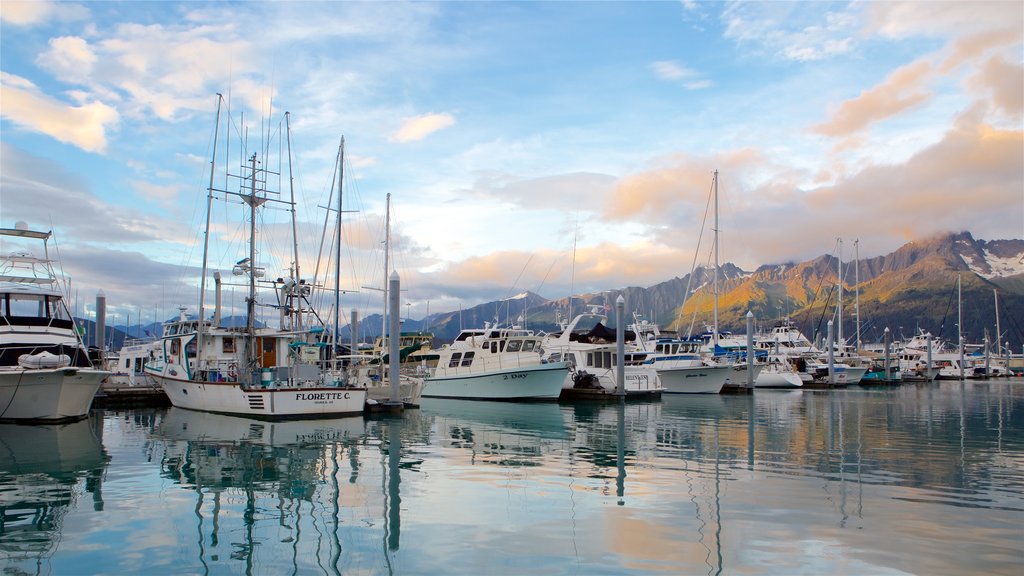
<point x="34" y="12"/>
<point x="673" y="71"/>
<point x="793" y="31"/>
<point x="419" y="127"/>
<point x="84" y="126"/>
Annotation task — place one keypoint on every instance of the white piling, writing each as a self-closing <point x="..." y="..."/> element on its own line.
<point x="831" y="357"/>
<point x="620" y="346"/>
<point x="750" y="349"/>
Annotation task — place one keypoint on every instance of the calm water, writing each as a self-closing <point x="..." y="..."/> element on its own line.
<point x="918" y="479"/>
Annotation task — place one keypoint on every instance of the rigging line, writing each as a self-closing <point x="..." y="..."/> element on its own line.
<point x="696" y="251"/>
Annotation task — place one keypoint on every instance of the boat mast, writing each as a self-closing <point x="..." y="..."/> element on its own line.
<point x="250" y="322"/>
<point x="999" y="335"/>
<point x="295" y="232"/>
<point x="337" y="250"/>
<point x="715" y="335"/>
<point x="856" y="281"/>
<point x="206" y="239"/>
<point x="387" y="250"/>
<point x="839" y="302"/>
<point x="960" y="322"/>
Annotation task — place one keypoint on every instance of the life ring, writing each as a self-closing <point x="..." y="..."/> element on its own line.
<point x="233" y="370"/>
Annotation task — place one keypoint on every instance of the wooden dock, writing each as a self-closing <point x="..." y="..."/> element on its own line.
<point x="120" y="396"/>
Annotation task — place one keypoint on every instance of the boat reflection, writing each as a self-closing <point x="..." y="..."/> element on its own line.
<point x="304" y="487"/>
<point x="44" y="470"/>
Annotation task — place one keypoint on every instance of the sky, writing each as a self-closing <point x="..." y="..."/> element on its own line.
<point x="556" y="147"/>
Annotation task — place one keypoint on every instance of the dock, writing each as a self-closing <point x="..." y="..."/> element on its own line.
<point x="124" y="396"/>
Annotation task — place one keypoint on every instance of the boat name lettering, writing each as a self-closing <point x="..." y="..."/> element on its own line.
<point x="323" y="396"/>
<point x="515" y="376"/>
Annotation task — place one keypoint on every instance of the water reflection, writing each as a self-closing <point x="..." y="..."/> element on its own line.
<point x="292" y="495"/>
<point x="911" y="479"/>
<point x="44" y="471"/>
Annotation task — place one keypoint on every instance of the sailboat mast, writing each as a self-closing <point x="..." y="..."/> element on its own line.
<point x="839" y="301"/>
<point x="960" y="323"/>
<point x="206" y="239"/>
<point x="999" y="335"/>
<point x="856" y="281"/>
<point x="715" y="335"/>
<point x="387" y="250"/>
<point x="337" y="249"/>
<point x="295" y="231"/>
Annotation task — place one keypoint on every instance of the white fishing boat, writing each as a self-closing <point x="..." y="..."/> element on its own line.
<point x="128" y="365"/>
<point x="46" y="373"/>
<point x="287" y="371"/>
<point x="679" y="363"/>
<point x="589" y="348"/>
<point x="495" y="364"/>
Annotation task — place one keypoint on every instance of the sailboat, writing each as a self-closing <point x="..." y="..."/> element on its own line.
<point x="266" y="372"/>
<point x="45" y="370"/>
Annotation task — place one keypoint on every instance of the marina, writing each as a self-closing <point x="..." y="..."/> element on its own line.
<point x="920" y="478"/>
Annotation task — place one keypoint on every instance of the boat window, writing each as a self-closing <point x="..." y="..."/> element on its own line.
<point x="138" y="365"/>
<point x="467" y="359"/>
<point x="27" y="305"/>
<point x="571" y="358"/>
<point x="228" y="345"/>
<point x="127" y="363"/>
<point x="454" y="362"/>
<point x="494" y="347"/>
<point x="529" y="345"/>
<point x="55" y="308"/>
<point x="555" y="357"/>
<point x="190" y="348"/>
<point x="515" y="345"/>
<point x="502" y="346"/>
<point x="175" y="346"/>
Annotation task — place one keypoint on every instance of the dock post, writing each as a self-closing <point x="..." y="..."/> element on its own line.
<point x="353" y="332"/>
<point x="831" y="357"/>
<point x="394" y="296"/>
<point x="620" y="346"/>
<point x="750" y="349"/>
<point x="99" y="339"/>
<point x="886" y="338"/>
<point x="928" y="340"/>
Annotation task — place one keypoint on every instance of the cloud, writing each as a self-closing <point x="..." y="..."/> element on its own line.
<point x="1003" y="82"/>
<point x="47" y="195"/>
<point x="793" y="31"/>
<point x="419" y="127"/>
<point x="687" y="77"/>
<point x="901" y="20"/>
<point x="35" y="12"/>
<point x="901" y="91"/>
<point x="84" y="126"/>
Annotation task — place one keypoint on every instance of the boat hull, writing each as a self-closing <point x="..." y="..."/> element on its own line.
<point x="694" y="379"/>
<point x="778" y="379"/>
<point x="48" y="395"/>
<point x="281" y="402"/>
<point x="540" y="382"/>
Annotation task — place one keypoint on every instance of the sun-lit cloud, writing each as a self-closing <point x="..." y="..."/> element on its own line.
<point x="419" y="127"/>
<point x="85" y="125"/>
<point x="1003" y="83"/>
<point x="901" y="91"/>
<point x="36" y="12"/>
<point x="899" y="20"/>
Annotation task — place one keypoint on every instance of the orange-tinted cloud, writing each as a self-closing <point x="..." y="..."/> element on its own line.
<point x="902" y="90"/>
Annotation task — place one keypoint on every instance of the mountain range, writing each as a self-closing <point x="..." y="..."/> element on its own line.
<point x="911" y="289"/>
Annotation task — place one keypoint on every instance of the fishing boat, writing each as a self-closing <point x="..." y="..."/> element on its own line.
<point x="46" y="373"/>
<point x="494" y="363"/>
<point x="589" y="348"/>
<point x="288" y="371"/>
<point x="680" y="365"/>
